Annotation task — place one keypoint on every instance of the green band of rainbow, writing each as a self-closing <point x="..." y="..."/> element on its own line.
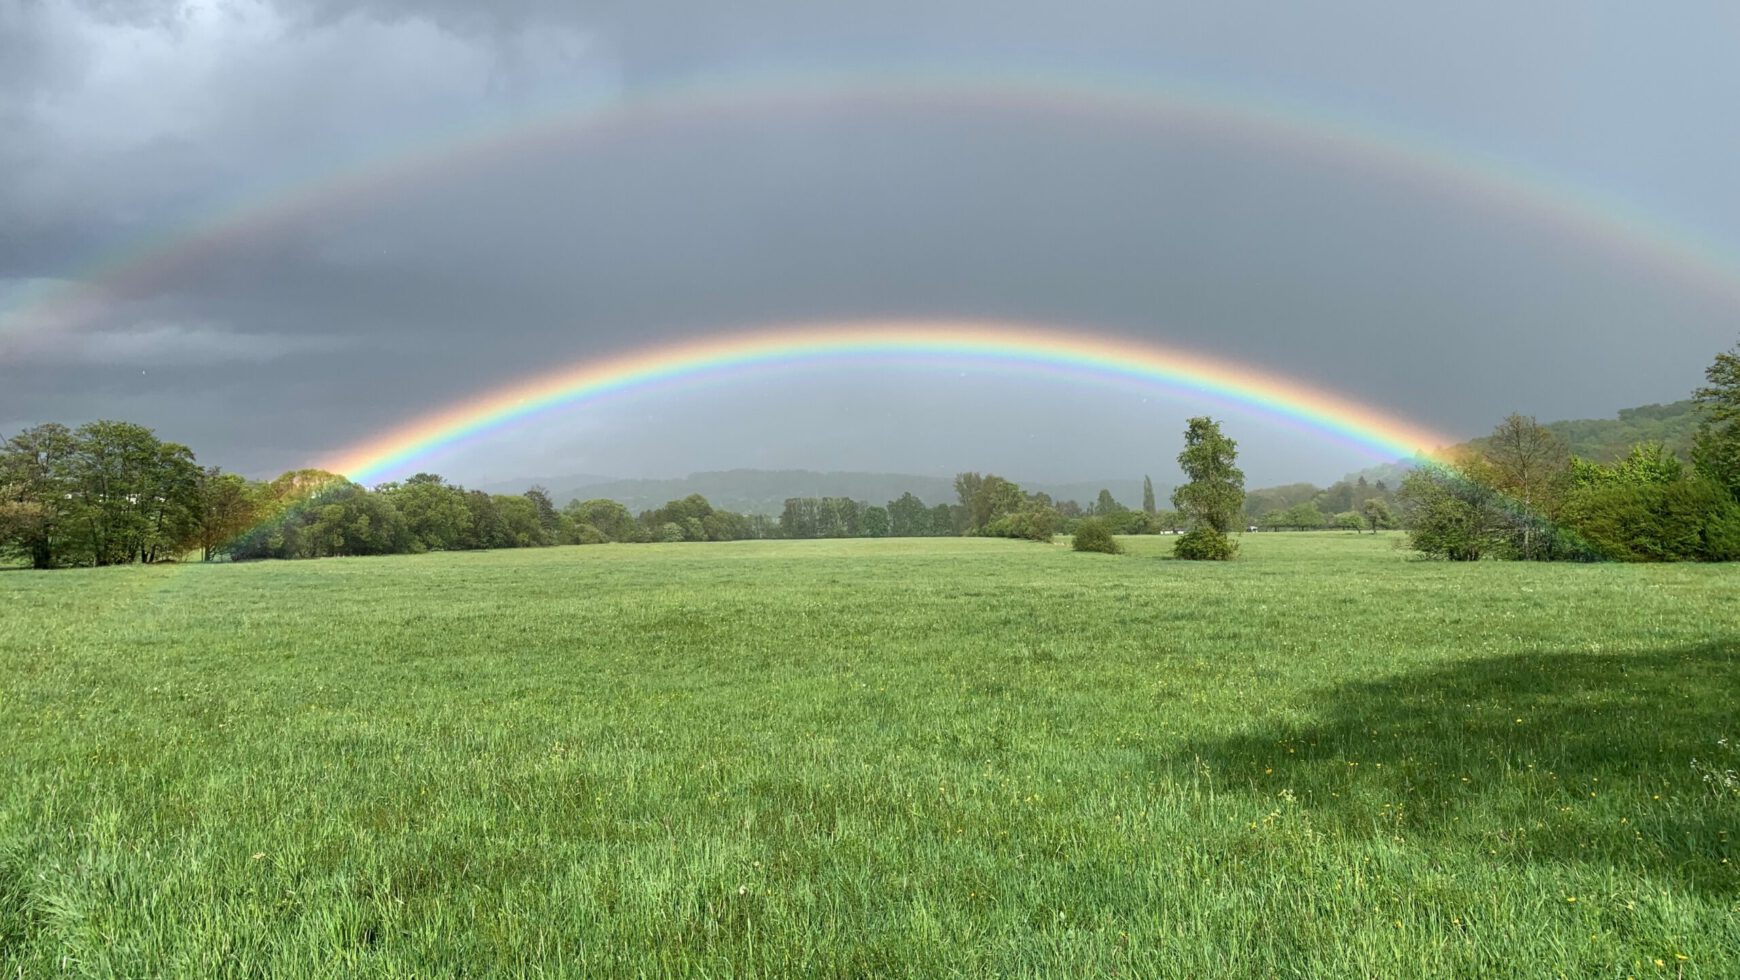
<point x="1379" y="433"/>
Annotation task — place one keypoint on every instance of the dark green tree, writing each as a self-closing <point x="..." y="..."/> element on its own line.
<point x="908" y="517"/>
<point x="1213" y="492"/>
<point x="1147" y="495"/>
<point x="1716" y="445"/>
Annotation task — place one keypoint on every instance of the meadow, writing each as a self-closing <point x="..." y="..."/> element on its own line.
<point x="872" y="757"/>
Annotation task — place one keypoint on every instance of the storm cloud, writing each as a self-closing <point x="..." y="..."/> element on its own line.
<point x="313" y="318"/>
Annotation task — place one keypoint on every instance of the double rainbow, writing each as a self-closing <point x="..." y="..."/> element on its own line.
<point x="1440" y="170"/>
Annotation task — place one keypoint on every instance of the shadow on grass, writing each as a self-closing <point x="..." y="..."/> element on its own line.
<point x="1624" y="759"/>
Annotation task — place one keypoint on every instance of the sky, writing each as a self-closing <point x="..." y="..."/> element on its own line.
<point x="273" y="230"/>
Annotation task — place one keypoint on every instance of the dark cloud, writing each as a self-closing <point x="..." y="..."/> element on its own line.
<point x="347" y="313"/>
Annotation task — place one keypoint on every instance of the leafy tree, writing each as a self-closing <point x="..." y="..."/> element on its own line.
<point x="228" y="506"/>
<point x="435" y="513"/>
<point x="1034" y="522"/>
<point x="876" y="522"/>
<point x="1093" y="534"/>
<point x="908" y="517"/>
<point x="801" y="518"/>
<point x="1214" y="491"/>
<point x="1377" y="514"/>
<point x="1528" y="463"/>
<point x="583" y="533"/>
<point x="1147" y="495"/>
<point x="319" y="515"/>
<point x="519" y="518"/>
<point x="1349" y="521"/>
<point x="1716" y="444"/>
<point x="986" y="498"/>
<point x="128" y="496"/>
<point x="1451" y="515"/>
<point x="548" y="518"/>
<point x="609" y="517"/>
<point x="1105" y="505"/>
<point x="486" y="528"/>
<point x="33" y="492"/>
<point x="946" y="520"/>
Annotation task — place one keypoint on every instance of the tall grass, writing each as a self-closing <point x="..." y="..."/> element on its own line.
<point x="871" y="757"/>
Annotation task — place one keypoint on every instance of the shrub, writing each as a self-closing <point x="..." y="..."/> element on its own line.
<point x="1036" y="523"/>
<point x="587" y="534"/>
<point x="1205" y="544"/>
<point x="1093" y="534"/>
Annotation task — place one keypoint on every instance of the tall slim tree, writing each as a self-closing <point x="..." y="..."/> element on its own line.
<point x="1147" y="495"/>
<point x="1716" y="447"/>
<point x="1214" y="491"/>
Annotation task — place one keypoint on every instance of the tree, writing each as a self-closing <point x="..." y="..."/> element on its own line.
<point x="1349" y="521"/>
<point x="1529" y="464"/>
<point x="315" y="514"/>
<point x="33" y="493"/>
<point x="1716" y="444"/>
<point x="127" y="495"/>
<point x="1213" y="493"/>
<point x="908" y="517"/>
<point x="1034" y="522"/>
<point x="1377" y="514"/>
<point x="228" y="506"/>
<point x="1106" y="505"/>
<point x="987" y="498"/>
<point x="875" y="521"/>
<point x="1147" y="495"/>
<point x="943" y="520"/>
<point x="611" y="518"/>
<point x="1451" y="515"/>
<point x="801" y="518"/>
<point x="1093" y="534"/>
<point x="548" y="519"/>
<point x="435" y="512"/>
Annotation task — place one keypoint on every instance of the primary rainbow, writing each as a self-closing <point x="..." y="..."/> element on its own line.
<point x="1441" y="170"/>
<point x="1098" y="358"/>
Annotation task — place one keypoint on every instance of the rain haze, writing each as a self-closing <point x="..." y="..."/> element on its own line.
<point x="274" y="230"/>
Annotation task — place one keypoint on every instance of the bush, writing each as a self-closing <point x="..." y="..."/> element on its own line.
<point x="1094" y="534"/>
<point x="1031" y="524"/>
<point x="1683" y="520"/>
<point x="587" y="534"/>
<point x="1205" y="544"/>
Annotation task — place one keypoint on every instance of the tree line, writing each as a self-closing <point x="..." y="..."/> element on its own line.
<point x="111" y="493"/>
<point x="1521" y="494"/>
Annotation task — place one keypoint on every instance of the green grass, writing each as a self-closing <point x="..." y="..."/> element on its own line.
<point x="859" y="758"/>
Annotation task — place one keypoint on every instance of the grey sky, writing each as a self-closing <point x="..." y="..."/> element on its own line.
<point x="126" y="121"/>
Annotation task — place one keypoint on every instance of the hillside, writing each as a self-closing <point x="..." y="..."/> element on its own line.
<point x="1608" y="439"/>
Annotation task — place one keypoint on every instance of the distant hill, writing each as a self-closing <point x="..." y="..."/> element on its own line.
<point x="1605" y="440"/>
<point x="766" y="491"/>
<point x="524" y="483"/>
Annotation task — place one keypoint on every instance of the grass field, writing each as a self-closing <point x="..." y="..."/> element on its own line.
<point x="872" y="757"/>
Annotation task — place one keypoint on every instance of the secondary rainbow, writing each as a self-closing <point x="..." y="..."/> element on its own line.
<point x="1441" y="170"/>
<point x="1096" y="357"/>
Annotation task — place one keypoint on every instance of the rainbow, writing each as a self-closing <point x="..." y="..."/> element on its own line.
<point x="1096" y="358"/>
<point x="1438" y="169"/>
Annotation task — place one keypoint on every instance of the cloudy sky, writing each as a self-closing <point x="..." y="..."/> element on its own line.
<point x="271" y="230"/>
